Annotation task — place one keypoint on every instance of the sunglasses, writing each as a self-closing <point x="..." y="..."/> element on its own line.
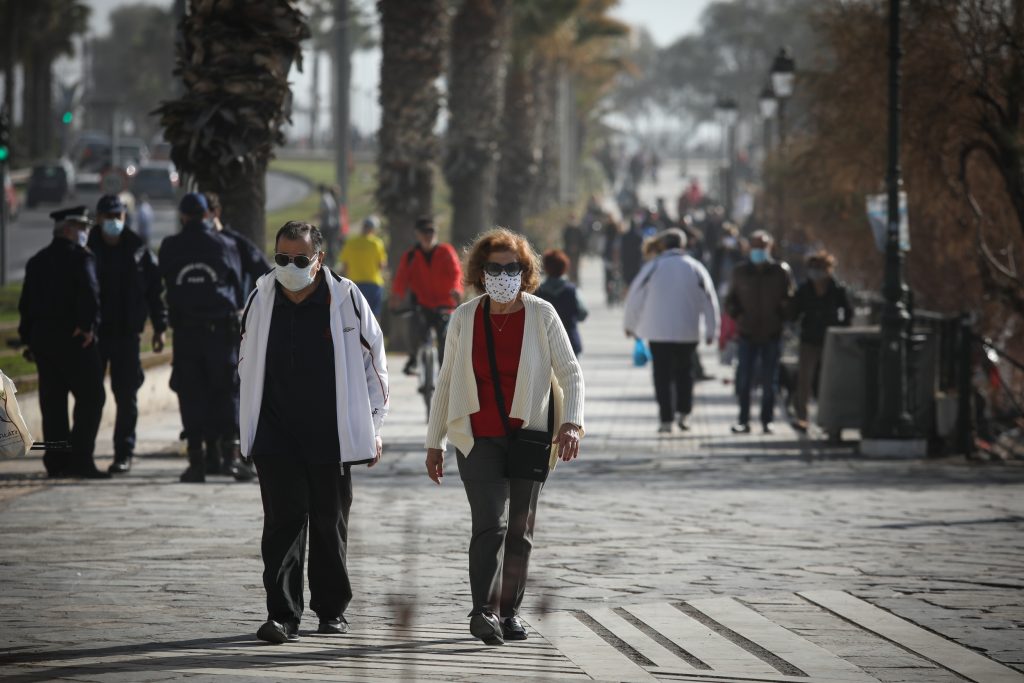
<point x="300" y="261"/>
<point x="495" y="269"/>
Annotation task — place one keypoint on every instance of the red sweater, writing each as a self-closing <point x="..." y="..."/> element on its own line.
<point x="508" y="345"/>
<point x="431" y="277"/>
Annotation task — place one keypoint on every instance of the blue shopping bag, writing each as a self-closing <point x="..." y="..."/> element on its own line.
<point x="641" y="354"/>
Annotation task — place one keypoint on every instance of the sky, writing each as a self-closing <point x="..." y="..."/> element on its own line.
<point x="666" y="20"/>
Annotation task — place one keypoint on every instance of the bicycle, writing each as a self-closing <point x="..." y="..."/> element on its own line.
<point x="427" y="361"/>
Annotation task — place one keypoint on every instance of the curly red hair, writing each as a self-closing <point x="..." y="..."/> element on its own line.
<point x="496" y="240"/>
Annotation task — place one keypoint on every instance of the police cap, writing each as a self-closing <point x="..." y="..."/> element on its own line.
<point x="74" y="214"/>
<point x="193" y="204"/>
<point x="110" y="203"/>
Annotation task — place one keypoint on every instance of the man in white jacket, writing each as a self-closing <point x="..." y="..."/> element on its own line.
<point x="314" y="393"/>
<point x="665" y="304"/>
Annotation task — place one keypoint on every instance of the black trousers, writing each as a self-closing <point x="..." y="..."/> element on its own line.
<point x="420" y="324"/>
<point x="205" y="367"/>
<point x="504" y="513"/>
<point x="63" y="369"/>
<point x="672" y="365"/>
<point x="298" y="496"/>
<point x="121" y="354"/>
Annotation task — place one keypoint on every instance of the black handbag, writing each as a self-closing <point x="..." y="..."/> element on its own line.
<point x="529" y="450"/>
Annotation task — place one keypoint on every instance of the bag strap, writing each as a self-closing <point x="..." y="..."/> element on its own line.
<point x="499" y="395"/>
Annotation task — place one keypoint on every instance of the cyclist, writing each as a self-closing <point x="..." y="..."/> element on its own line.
<point x="429" y="277"/>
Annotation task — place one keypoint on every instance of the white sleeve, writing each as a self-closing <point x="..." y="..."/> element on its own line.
<point x="371" y="337"/>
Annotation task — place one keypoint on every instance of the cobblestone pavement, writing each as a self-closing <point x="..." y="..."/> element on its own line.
<point x="690" y="557"/>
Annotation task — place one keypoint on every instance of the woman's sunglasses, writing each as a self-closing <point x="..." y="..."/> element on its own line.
<point x="301" y="261"/>
<point x="495" y="269"/>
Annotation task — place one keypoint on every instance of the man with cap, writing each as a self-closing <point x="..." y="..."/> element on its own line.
<point x="60" y="316"/>
<point x="130" y="291"/>
<point x="202" y="271"/>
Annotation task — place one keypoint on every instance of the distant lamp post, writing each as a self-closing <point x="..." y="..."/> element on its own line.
<point x="728" y="112"/>
<point x="783" y="75"/>
<point x="768" y="105"/>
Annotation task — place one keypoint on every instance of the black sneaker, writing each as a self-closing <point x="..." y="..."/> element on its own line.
<point x="512" y="628"/>
<point x="333" y="627"/>
<point x="122" y="464"/>
<point x="768" y="428"/>
<point x="275" y="633"/>
<point x="740" y="429"/>
<point x="485" y="626"/>
<point x="410" y="367"/>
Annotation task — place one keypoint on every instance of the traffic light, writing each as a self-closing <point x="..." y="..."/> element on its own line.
<point x="5" y="136"/>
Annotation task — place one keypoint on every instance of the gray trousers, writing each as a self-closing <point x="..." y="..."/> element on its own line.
<point x="504" y="512"/>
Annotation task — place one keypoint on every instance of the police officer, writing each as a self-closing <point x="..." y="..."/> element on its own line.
<point x="130" y="291"/>
<point x="254" y="266"/>
<point x="202" y="271"/>
<point x="60" y="315"/>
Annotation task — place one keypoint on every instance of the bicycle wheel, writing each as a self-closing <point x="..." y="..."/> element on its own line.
<point x="428" y="362"/>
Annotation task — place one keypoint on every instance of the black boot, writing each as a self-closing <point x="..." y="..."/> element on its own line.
<point x="212" y="457"/>
<point x="196" y="472"/>
<point x="233" y="464"/>
<point x="122" y="464"/>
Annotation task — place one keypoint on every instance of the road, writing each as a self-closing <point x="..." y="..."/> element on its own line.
<point x="32" y="229"/>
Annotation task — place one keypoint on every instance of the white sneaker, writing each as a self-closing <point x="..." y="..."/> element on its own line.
<point x="665" y="428"/>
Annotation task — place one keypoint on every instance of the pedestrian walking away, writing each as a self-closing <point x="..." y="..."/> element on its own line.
<point x="563" y="295"/>
<point x="203" y="274"/>
<point x="511" y="377"/>
<point x="59" y="313"/>
<point x="670" y="297"/>
<point x="315" y="386"/>
<point x="429" y="277"/>
<point x="760" y="290"/>
<point x="820" y="302"/>
<point x="364" y="260"/>
<point x="131" y="291"/>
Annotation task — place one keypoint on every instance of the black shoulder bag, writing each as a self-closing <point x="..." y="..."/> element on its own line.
<point x="529" y="450"/>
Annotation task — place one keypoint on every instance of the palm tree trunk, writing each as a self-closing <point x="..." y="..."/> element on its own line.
<point x="475" y="88"/>
<point x="545" y="83"/>
<point x="413" y="35"/>
<point x="517" y="168"/>
<point x="244" y="203"/>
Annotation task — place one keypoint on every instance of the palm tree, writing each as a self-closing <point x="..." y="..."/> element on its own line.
<point x="475" y="90"/>
<point x="234" y="60"/>
<point x="413" y="36"/>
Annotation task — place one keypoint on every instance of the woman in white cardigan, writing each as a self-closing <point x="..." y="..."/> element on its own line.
<point x="537" y="372"/>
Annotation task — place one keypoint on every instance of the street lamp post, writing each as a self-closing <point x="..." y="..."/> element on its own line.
<point x="728" y="113"/>
<point x="893" y="419"/>
<point x="782" y="75"/>
<point x="768" y="104"/>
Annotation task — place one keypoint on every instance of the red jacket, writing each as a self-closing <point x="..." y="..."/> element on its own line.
<point x="431" y="277"/>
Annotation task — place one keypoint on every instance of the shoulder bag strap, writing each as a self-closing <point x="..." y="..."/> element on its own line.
<point x="492" y="358"/>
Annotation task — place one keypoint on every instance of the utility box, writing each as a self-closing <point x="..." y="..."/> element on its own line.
<point x="847" y="395"/>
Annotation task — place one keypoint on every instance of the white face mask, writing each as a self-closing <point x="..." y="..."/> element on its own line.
<point x="83" y="238"/>
<point x="502" y="288"/>
<point x="294" y="278"/>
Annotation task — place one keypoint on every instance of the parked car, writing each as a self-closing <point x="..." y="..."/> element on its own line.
<point x="157" y="180"/>
<point x="50" y="182"/>
<point x="13" y="205"/>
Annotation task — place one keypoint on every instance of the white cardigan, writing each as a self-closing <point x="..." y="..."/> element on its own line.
<point x="546" y="361"/>
<point x="360" y="367"/>
<point x="667" y="299"/>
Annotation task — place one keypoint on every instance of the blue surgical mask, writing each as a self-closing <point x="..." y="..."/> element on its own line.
<point x="758" y="256"/>
<point x="112" y="227"/>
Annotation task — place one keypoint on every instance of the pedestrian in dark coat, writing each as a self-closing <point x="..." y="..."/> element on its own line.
<point x="563" y="295"/>
<point x="60" y="317"/>
<point x="130" y="292"/>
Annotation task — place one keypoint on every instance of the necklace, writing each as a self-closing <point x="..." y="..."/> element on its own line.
<point x="503" y="324"/>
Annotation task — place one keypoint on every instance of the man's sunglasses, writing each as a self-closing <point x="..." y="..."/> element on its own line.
<point x="495" y="269"/>
<point x="301" y="261"/>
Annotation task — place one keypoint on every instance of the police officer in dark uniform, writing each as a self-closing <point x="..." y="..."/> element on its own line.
<point x="60" y="316"/>
<point x="130" y="291"/>
<point x="202" y="271"/>
<point x="254" y="265"/>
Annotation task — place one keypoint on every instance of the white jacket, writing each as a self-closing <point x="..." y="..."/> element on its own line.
<point x="668" y="297"/>
<point x="360" y="367"/>
<point x="546" y="362"/>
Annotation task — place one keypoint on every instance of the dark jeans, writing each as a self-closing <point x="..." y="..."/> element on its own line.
<point x="374" y="295"/>
<point x="204" y="372"/>
<point x="504" y="512"/>
<point x="764" y="358"/>
<point x="298" y="496"/>
<point x="672" y="365"/>
<point x="420" y="323"/>
<point x="63" y="369"/>
<point x="121" y="353"/>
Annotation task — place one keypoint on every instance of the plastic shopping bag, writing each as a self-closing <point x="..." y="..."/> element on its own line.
<point x="641" y="354"/>
<point x="15" y="439"/>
